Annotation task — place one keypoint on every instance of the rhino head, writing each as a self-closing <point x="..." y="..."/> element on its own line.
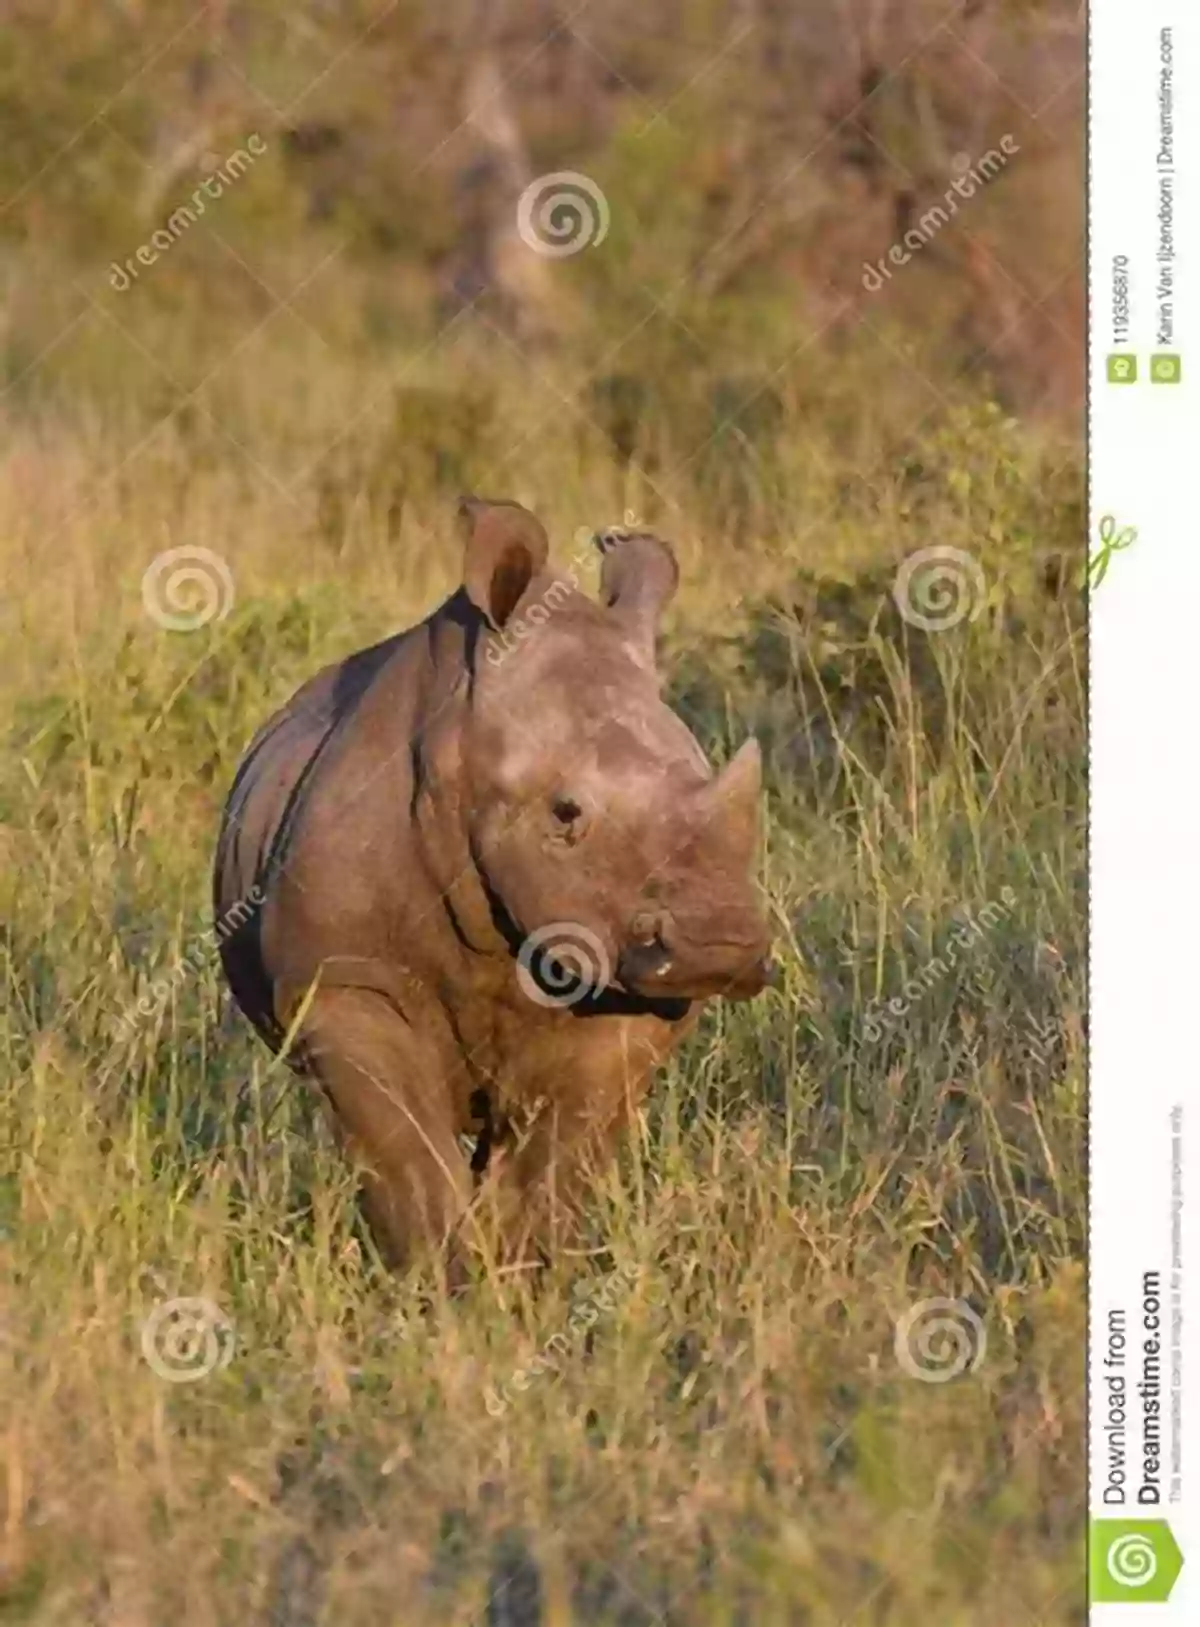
<point x="593" y="816"/>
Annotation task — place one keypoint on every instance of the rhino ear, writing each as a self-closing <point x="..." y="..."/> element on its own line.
<point x="637" y="581"/>
<point x="506" y="548"/>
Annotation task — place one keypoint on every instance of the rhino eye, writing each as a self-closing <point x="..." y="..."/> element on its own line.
<point x="568" y="821"/>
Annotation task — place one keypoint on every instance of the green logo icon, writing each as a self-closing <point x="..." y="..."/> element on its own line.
<point x="1112" y="541"/>
<point x="1165" y="368"/>
<point x="1132" y="1561"/>
<point x="1121" y="369"/>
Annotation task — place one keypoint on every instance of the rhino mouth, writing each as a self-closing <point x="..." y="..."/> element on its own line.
<point x="738" y="971"/>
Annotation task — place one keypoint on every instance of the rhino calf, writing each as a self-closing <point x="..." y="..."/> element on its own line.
<point x="500" y="877"/>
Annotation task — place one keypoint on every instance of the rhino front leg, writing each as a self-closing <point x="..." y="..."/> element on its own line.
<point x="394" y="1112"/>
<point x="591" y="1089"/>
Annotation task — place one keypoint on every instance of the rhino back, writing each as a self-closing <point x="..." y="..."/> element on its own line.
<point x="264" y="811"/>
<point x="319" y="817"/>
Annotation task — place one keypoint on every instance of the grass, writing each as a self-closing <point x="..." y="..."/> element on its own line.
<point x="706" y="1422"/>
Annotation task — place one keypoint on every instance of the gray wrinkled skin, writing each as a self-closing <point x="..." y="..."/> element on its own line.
<point x="415" y="814"/>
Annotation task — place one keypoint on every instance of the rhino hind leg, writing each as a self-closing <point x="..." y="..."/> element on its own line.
<point x="394" y="1113"/>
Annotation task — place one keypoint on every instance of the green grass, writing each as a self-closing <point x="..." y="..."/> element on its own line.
<point x="726" y="1435"/>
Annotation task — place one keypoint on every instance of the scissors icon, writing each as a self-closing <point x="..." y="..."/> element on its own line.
<point x="1111" y="542"/>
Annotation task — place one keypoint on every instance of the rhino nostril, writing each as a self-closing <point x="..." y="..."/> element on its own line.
<point x="646" y="958"/>
<point x="647" y="927"/>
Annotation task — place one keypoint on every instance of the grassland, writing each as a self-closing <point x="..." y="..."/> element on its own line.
<point x="727" y="1435"/>
<point x="711" y="1419"/>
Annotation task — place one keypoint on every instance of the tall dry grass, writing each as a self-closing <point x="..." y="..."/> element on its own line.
<point x="706" y="1423"/>
<point x="713" y="1418"/>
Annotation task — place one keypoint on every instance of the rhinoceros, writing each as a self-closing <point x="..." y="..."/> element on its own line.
<point x="499" y="879"/>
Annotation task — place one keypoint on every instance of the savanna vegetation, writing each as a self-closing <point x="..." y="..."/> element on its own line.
<point x="716" y="1415"/>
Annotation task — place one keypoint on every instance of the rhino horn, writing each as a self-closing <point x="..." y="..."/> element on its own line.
<point x="506" y="548"/>
<point x="734" y="795"/>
